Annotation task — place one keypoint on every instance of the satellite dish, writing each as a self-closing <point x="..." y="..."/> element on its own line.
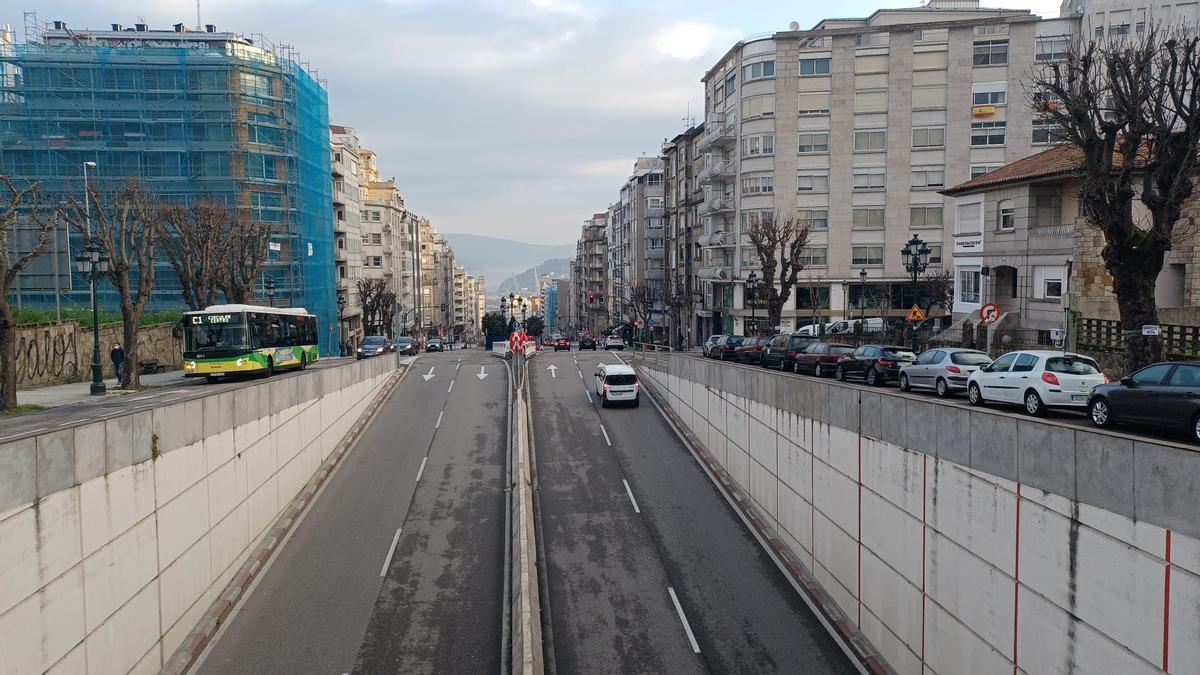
<point x="793" y="26"/>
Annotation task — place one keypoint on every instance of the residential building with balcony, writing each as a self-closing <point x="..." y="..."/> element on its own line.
<point x="586" y="309"/>
<point x="687" y="317"/>
<point x="347" y="229"/>
<point x="390" y="233"/>
<point x="640" y="241"/>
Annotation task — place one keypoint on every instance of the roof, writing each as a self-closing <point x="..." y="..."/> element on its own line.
<point x="618" y="369"/>
<point x="299" y="311"/>
<point x="1061" y="160"/>
<point x="337" y="129"/>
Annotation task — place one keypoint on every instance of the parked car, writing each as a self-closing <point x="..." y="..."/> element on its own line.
<point x="1165" y="395"/>
<point x="1036" y="380"/>
<point x="561" y="342"/>
<point x="617" y="382"/>
<point x="405" y="345"/>
<point x="750" y="349"/>
<point x="944" y="370"/>
<point x="614" y="342"/>
<point x="875" y="364"/>
<point x="781" y="349"/>
<point x="820" y="358"/>
<point x="435" y="345"/>
<point x="373" y="345"/>
<point x="587" y="342"/>
<point x="708" y="344"/>
<point x="846" y="327"/>
<point x="725" y="349"/>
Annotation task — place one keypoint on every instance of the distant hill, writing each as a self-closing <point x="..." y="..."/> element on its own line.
<point x="500" y="258"/>
<point x="528" y="278"/>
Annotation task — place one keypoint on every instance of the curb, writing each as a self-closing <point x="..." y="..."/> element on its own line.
<point x="863" y="649"/>
<point x="186" y="655"/>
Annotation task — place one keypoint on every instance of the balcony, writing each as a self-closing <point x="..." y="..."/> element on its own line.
<point x="339" y="254"/>
<point x="718" y="204"/>
<point x="655" y="212"/>
<point x="717" y="170"/>
<point x="718" y="239"/>
<point x="716" y="273"/>
<point x="655" y="254"/>
<point x="720" y="131"/>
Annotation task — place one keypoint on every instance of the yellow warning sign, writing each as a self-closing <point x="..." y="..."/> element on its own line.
<point x="915" y="314"/>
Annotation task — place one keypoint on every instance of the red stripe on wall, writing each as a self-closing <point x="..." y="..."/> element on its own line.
<point x="924" y="519"/>
<point x="859" y="537"/>
<point x="1016" y="578"/>
<point x="1167" y="604"/>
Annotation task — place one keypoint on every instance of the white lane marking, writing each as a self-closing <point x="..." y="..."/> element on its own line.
<point x="482" y="374"/>
<point x="387" y="562"/>
<point x="451" y="387"/>
<point x="553" y="371"/>
<point x="631" y="499"/>
<point x="438" y="423"/>
<point x="458" y="367"/>
<point x="686" y="626"/>
<point x="422" y="469"/>
<point x="605" y="432"/>
<point x="429" y="376"/>
<point x="580" y="374"/>
<point x="589" y="395"/>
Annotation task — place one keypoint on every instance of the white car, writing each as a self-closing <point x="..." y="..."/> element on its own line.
<point x="617" y="383"/>
<point x="614" y="342"/>
<point x="1036" y="380"/>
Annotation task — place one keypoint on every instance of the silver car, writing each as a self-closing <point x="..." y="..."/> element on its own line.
<point x="944" y="370"/>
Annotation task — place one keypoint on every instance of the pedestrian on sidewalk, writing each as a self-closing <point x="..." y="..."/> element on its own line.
<point x="117" y="355"/>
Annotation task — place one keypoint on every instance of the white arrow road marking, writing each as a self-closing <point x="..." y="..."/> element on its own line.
<point x="481" y="374"/>
<point x="429" y="376"/>
<point x="553" y="371"/>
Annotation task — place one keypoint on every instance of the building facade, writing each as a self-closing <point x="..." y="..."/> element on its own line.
<point x="348" y="231"/>
<point x="683" y="195"/>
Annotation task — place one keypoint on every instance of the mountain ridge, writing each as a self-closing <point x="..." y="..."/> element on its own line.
<point x="499" y="258"/>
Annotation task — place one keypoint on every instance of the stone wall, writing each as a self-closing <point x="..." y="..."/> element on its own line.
<point x="60" y="353"/>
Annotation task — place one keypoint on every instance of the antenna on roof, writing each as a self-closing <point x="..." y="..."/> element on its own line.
<point x="688" y="120"/>
<point x="198" y="25"/>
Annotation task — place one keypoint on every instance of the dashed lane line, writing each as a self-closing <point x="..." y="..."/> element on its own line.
<point x="422" y="469"/>
<point x="387" y="562"/>
<point x="605" y="432"/>
<point x="629" y="492"/>
<point x="683" y="619"/>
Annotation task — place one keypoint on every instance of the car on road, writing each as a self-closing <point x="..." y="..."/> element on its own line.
<point x="846" y="327"/>
<point x="587" y="342"/>
<point x="373" y="345"/>
<point x="944" y="370"/>
<point x="617" y="383"/>
<point x="561" y="342"/>
<point x="405" y="345"/>
<point x="875" y="364"/>
<point x="1164" y="395"/>
<point x="614" y="342"/>
<point x="782" y="349"/>
<point x="435" y="345"/>
<point x="725" y="348"/>
<point x="750" y="350"/>
<point x="820" y="358"/>
<point x="1036" y="379"/>
<point x="710" y="342"/>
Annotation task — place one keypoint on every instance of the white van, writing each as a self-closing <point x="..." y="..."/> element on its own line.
<point x="617" y="383"/>
<point x="848" y="326"/>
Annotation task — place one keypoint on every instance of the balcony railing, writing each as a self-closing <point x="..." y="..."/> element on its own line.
<point x="655" y="212"/>
<point x="716" y="240"/>
<point x="717" y="169"/>
<point x="717" y="204"/>
<point x="714" y="273"/>
<point x="720" y="130"/>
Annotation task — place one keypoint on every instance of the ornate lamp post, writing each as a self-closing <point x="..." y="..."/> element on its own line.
<point x="862" y="294"/>
<point x="752" y="297"/>
<point x="270" y="287"/>
<point x="341" y="305"/>
<point x="91" y="263"/>
<point x="916" y="259"/>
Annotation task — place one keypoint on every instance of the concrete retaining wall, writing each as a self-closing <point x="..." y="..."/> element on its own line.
<point x="963" y="540"/>
<point x="116" y="536"/>
<point x="60" y="353"/>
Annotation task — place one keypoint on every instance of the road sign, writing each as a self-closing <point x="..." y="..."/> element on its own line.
<point x="650" y="323"/>
<point x="915" y="314"/>
<point x="1150" y="330"/>
<point x="989" y="313"/>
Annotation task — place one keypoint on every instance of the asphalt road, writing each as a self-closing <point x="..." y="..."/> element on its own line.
<point x="639" y="541"/>
<point x="398" y="564"/>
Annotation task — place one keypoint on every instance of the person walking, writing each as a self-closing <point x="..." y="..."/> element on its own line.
<point x="117" y="355"/>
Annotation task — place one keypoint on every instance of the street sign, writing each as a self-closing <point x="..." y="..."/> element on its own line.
<point x="650" y="323"/>
<point x="1150" y="331"/>
<point x="989" y="313"/>
<point x="915" y="314"/>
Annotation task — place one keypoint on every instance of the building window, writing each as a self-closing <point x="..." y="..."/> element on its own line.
<point x="1119" y="29"/>
<point x="968" y="286"/>
<point x="813" y="219"/>
<point x="925" y="216"/>
<point x="730" y="84"/>
<point x="812" y="182"/>
<point x="991" y="53"/>
<point x="969" y="218"/>
<point x="874" y="63"/>
<point x="750" y="257"/>
<point x="990" y="94"/>
<point x="376" y="238"/>
<point x="814" y="142"/>
<point x="978" y="170"/>
<point x="869" y="218"/>
<point x="814" y="104"/>
<point x="376" y="216"/>
<point x="814" y="67"/>
<point x="1006" y="219"/>
<point x="930" y="60"/>
<point x="869" y="179"/>
<point x="870" y="140"/>
<point x="866" y="255"/>
<point x="1046" y="132"/>
<point x="758" y="106"/>
<point x="759" y="70"/>
<point x="871" y="101"/>
<point x="1047" y="211"/>
<point x="1051" y="48"/>
<point x="759" y="145"/>
<point x="991" y="29"/>
<point x="654" y="179"/>
<point x="928" y="176"/>
<point x="929" y="137"/>
<point x="870" y="39"/>
<point x="815" y="256"/>
<point x="1047" y="282"/>
<point x="758" y="184"/>
<point x="987" y="133"/>
<point x="935" y="254"/>
<point x="376" y="261"/>
<point x="927" y="98"/>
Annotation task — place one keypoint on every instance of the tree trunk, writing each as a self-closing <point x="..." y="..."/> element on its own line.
<point x="1137" y="308"/>
<point x="8" y="356"/>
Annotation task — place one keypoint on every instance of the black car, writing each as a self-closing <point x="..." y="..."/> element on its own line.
<point x="435" y="345"/>
<point x="781" y="350"/>
<point x="373" y="346"/>
<point x="725" y="347"/>
<point x="587" y="342"/>
<point x="876" y="364"/>
<point x="405" y="345"/>
<point x="1165" y="395"/>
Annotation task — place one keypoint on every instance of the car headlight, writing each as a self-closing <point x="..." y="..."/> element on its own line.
<point x="241" y="362"/>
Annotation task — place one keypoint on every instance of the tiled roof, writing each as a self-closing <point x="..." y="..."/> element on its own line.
<point x="1060" y="160"/>
<point x="337" y="129"/>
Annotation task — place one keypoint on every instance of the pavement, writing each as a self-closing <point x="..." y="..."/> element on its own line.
<point x="397" y="566"/>
<point x="649" y="568"/>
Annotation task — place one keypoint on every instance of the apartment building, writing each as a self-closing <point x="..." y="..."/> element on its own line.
<point x="636" y="243"/>
<point x="587" y="308"/>
<point x="347" y="230"/>
<point x="683" y="194"/>
<point x="852" y="128"/>
<point x="390" y="234"/>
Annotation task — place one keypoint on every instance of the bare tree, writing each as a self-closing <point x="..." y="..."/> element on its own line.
<point x="17" y="204"/>
<point x="125" y="224"/>
<point x="1132" y="108"/>
<point x="195" y="241"/>
<point x="249" y="243"/>
<point x="642" y="297"/>
<point x="936" y="289"/>
<point x="378" y="304"/>
<point x="387" y="312"/>
<point x="779" y="243"/>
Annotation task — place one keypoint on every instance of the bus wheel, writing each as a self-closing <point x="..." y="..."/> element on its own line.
<point x="210" y="379"/>
<point x="303" y="361"/>
<point x="270" y="367"/>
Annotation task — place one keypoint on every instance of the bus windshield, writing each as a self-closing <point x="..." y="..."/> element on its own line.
<point x="215" y="337"/>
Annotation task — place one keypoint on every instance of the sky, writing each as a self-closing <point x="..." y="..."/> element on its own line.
<point x="508" y="118"/>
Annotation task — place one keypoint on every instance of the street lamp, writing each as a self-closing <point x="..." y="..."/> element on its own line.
<point x="751" y="295"/>
<point x="862" y="293"/>
<point x="341" y="305"/>
<point x="270" y="287"/>
<point x="916" y="259"/>
<point x="91" y="263"/>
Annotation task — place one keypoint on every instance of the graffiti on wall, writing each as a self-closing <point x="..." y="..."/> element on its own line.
<point x="46" y="355"/>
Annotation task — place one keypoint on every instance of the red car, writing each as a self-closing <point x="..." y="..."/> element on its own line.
<point x="820" y="358"/>
<point x="562" y="343"/>
<point x="750" y="351"/>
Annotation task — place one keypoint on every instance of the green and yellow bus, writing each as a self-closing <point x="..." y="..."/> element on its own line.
<point x="225" y="340"/>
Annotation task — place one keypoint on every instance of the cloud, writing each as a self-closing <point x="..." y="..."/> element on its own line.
<point x="688" y="40"/>
<point x="615" y="169"/>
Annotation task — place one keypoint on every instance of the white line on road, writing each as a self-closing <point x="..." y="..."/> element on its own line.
<point x="686" y="626"/>
<point x="580" y="374"/>
<point x="631" y="499"/>
<point x="387" y="562"/>
<point x="451" y="387"/>
<point x="605" y="432"/>
<point x="589" y="395"/>
<point x="459" y="366"/>
<point x="422" y="469"/>
<point x="438" y="423"/>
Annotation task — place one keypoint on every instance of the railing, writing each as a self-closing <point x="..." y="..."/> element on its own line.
<point x="717" y="204"/>
<point x="1178" y="342"/>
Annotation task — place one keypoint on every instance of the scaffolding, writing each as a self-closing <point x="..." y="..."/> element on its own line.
<point x="189" y="114"/>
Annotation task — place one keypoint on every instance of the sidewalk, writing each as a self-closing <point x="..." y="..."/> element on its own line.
<point x="79" y="392"/>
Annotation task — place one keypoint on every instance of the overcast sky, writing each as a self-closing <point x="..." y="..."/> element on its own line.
<point x="511" y="118"/>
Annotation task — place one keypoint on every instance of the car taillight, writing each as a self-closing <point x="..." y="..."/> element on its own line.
<point x="637" y="385"/>
<point x="791" y="354"/>
<point x="605" y="387"/>
<point x="884" y="362"/>
<point x="1107" y="379"/>
<point x="953" y="369"/>
<point x="1050" y="378"/>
